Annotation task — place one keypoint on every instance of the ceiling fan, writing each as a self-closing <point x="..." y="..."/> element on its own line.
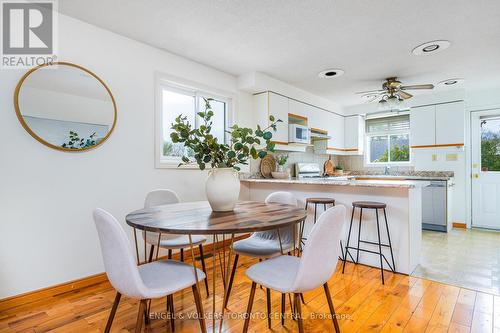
<point x="393" y="93"/>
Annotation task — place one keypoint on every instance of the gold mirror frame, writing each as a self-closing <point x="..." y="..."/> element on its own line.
<point x="41" y="140"/>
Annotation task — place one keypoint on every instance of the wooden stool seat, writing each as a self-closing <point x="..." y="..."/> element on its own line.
<point x="327" y="201"/>
<point x="369" y="204"/>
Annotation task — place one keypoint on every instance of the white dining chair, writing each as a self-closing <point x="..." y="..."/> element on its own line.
<point x="169" y="241"/>
<point x="265" y="244"/>
<point x="145" y="282"/>
<point x="289" y="274"/>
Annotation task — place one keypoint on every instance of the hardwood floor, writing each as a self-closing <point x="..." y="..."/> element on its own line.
<point x="404" y="304"/>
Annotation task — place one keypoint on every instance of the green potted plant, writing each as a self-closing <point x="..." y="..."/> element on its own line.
<point x="281" y="160"/>
<point x="339" y="169"/>
<point x="224" y="159"/>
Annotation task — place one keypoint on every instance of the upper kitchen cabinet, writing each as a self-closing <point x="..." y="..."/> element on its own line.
<point x="278" y="107"/>
<point x="334" y="124"/>
<point x="423" y="126"/>
<point x="450" y="124"/>
<point x="268" y="103"/>
<point x="354" y="133"/>
<point x="438" y="125"/>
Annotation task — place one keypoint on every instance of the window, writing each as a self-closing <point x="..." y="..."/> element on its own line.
<point x="490" y="144"/>
<point x="175" y="100"/>
<point x="388" y="140"/>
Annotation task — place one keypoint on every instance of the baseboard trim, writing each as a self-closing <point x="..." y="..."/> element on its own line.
<point x="459" y="225"/>
<point x="58" y="289"/>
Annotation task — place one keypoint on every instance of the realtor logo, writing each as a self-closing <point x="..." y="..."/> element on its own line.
<point x="28" y="32"/>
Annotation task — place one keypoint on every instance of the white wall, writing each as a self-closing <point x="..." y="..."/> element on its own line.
<point x="47" y="197"/>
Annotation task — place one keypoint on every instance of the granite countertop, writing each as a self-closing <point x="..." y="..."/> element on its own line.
<point x="409" y="175"/>
<point x="342" y="182"/>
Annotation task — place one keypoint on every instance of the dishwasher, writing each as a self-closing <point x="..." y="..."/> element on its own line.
<point x="434" y="206"/>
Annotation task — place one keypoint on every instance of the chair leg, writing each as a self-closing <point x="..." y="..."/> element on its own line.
<point x="348" y="238"/>
<point x="292" y="307"/>
<point x="330" y="305"/>
<point x="151" y="251"/>
<point x="380" y="248"/>
<point x="169" y="253"/>
<point x="113" y="312"/>
<point x="390" y="245"/>
<point x="302" y="298"/>
<point x="203" y="267"/>
<point x="298" y="309"/>
<point x="249" y="307"/>
<point x="182" y="255"/>
<point x="359" y="233"/>
<point x="282" y="309"/>
<point x="172" y="311"/>
<point x="146" y="312"/>
<point x="268" y="299"/>
<point x="199" y="308"/>
<point x="140" y="315"/>
<point x="231" y="279"/>
<point x="315" y="209"/>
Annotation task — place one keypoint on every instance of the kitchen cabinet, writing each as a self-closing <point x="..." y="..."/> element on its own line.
<point x="335" y="126"/>
<point x="450" y="123"/>
<point x="354" y="135"/>
<point x="278" y="107"/>
<point x="268" y="103"/>
<point x="437" y="125"/>
<point x="423" y="126"/>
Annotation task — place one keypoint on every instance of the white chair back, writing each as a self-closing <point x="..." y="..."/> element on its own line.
<point x="118" y="256"/>
<point x="161" y="197"/>
<point x="286" y="234"/>
<point x="322" y="249"/>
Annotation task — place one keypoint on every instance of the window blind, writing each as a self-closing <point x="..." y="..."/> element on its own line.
<point x="388" y="124"/>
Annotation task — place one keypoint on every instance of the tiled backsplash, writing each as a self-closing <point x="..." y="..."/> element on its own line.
<point x="357" y="163"/>
<point x="350" y="163"/>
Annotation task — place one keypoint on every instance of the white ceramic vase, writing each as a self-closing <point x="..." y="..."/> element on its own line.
<point x="223" y="189"/>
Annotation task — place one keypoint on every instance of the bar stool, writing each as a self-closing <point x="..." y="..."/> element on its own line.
<point x="316" y="202"/>
<point x="376" y="206"/>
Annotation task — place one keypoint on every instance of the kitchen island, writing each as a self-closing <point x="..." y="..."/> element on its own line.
<point x="404" y="211"/>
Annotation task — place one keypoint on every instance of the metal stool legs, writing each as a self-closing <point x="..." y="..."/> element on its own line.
<point x="378" y="243"/>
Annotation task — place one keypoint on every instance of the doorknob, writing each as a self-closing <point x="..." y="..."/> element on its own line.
<point x="475" y="175"/>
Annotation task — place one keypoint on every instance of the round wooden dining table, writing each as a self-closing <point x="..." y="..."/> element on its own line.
<point x="197" y="218"/>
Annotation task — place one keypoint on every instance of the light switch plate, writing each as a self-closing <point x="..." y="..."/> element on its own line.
<point x="434" y="157"/>
<point x="452" y="157"/>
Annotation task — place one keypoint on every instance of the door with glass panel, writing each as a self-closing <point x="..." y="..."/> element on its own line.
<point x="486" y="169"/>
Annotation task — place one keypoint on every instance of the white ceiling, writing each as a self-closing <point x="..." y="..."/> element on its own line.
<point x="292" y="40"/>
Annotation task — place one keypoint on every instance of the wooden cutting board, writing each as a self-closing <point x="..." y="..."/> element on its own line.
<point x="329" y="167"/>
<point x="267" y="166"/>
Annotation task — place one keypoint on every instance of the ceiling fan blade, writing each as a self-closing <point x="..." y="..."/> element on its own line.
<point x="417" y="86"/>
<point x="404" y="94"/>
<point x="370" y="92"/>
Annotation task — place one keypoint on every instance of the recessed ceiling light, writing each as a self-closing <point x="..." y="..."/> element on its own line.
<point x="330" y="73"/>
<point x="431" y="47"/>
<point x="450" y="82"/>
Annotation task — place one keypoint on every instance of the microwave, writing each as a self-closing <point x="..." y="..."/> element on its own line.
<point x="298" y="134"/>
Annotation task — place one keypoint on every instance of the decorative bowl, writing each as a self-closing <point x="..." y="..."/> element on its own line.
<point x="280" y="175"/>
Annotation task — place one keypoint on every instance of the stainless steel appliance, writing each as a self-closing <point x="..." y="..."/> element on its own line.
<point x="434" y="206"/>
<point x="308" y="170"/>
<point x="299" y="134"/>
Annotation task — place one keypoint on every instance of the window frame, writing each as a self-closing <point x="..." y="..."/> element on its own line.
<point x="387" y="134"/>
<point x="164" y="81"/>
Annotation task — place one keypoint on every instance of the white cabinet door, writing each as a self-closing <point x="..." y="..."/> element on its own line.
<point x="423" y="126"/>
<point x="278" y="107"/>
<point x="335" y="124"/>
<point x="450" y="123"/>
<point x="302" y="110"/>
<point x="353" y="135"/>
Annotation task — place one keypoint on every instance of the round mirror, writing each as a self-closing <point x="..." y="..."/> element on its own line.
<point x="65" y="106"/>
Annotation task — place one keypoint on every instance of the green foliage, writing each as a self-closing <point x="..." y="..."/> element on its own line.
<point x="208" y="151"/>
<point x="281" y="159"/>
<point x="490" y="152"/>
<point x="398" y="154"/>
<point x="75" y="142"/>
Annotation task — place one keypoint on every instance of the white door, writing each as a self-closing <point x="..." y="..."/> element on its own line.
<point x="486" y="169"/>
